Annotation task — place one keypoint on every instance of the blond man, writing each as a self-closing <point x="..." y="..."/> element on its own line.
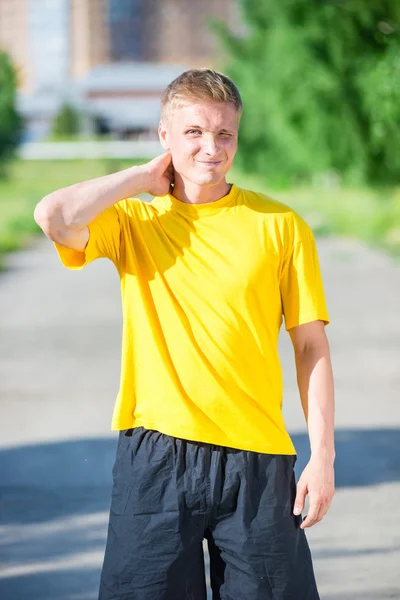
<point x="208" y="272"/>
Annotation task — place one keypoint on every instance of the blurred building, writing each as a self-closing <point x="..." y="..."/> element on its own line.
<point x="126" y="23"/>
<point x="178" y="30"/>
<point x="34" y="33"/>
<point x="124" y="98"/>
<point x="66" y="50"/>
<point x="14" y="36"/>
<point x="88" y="31"/>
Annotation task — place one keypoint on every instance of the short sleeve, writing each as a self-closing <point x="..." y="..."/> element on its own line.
<point x="104" y="241"/>
<point x="301" y="286"/>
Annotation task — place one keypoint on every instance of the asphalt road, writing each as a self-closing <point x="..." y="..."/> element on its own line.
<point x="60" y="336"/>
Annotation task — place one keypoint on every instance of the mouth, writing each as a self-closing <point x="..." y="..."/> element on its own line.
<point x="210" y="163"/>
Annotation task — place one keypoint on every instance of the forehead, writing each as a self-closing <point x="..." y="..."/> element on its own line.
<point x="209" y="115"/>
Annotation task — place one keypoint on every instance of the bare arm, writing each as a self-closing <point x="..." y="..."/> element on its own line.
<point x="64" y="215"/>
<point x="315" y="381"/>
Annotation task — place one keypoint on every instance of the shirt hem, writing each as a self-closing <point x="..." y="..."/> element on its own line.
<point x="308" y="318"/>
<point x="285" y="449"/>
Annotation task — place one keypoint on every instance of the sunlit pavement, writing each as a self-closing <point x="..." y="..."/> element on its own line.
<point x="59" y="373"/>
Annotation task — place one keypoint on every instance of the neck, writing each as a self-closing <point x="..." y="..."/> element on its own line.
<point x="192" y="193"/>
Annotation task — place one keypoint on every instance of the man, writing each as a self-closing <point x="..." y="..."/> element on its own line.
<point x="207" y="272"/>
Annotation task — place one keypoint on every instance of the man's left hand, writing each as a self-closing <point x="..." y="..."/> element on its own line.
<point x="318" y="481"/>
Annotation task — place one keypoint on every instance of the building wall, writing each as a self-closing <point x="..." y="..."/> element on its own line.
<point x="89" y="35"/>
<point x="35" y="34"/>
<point x="177" y="30"/>
<point x="48" y="43"/>
<point x="14" y="38"/>
<point x="125" y="19"/>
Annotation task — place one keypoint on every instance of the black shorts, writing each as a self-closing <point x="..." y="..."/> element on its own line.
<point x="169" y="494"/>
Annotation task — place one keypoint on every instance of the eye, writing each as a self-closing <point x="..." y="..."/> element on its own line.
<point x="194" y="132"/>
<point x="225" y="134"/>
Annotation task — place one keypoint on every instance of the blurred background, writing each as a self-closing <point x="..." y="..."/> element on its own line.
<point x="80" y="84"/>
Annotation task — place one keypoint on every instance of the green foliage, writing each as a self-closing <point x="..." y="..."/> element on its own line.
<point x="380" y="83"/>
<point x="10" y="121"/>
<point x="67" y="122"/>
<point x="318" y="80"/>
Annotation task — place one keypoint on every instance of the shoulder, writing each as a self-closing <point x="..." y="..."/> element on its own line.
<point x="264" y="204"/>
<point x="274" y="213"/>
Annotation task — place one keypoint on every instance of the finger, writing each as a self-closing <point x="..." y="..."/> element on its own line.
<point x="167" y="157"/>
<point x="323" y="509"/>
<point x="312" y="516"/>
<point x="300" y="498"/>
<point x="163" y="160"/>
<point x="322" y="505"/>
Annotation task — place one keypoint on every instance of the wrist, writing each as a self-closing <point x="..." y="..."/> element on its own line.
<point x="323" y="453"/>
<point x="135" y="180"/>
<point x="143" y="178"/>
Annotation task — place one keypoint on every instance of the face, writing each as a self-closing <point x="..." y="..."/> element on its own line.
<point x="202" y="139"/>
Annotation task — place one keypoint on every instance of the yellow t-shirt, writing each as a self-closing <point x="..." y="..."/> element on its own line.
<point x="204" y="288"/>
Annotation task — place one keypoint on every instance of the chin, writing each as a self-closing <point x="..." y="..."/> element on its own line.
<point x="206" y="178"/>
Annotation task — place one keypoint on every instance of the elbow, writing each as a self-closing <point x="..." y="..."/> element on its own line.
<point x="43" y="216"/>
<point x="47" y="217"/>
<point x="40" y="215"/>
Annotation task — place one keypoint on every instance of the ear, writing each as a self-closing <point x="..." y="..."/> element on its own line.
<point x="163" y="136"/>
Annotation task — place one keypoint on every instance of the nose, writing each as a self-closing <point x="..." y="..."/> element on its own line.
<point x="210" y="145"/>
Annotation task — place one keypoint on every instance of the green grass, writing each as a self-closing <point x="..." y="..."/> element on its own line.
<point x="370" y="215"/>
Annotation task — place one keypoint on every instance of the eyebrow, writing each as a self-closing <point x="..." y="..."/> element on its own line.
<point x="200" y="127"/>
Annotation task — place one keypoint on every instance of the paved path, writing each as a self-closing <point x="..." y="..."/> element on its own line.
<point x="59" y="371"/>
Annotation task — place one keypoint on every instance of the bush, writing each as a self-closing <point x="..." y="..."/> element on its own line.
<point x="10" y="121"/>
<point x="313" y="76"/>
<point x="67" y="122"/>
<point x="380" y="84"/>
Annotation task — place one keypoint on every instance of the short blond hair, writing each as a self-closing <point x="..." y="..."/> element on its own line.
<point x="204" y="85"/>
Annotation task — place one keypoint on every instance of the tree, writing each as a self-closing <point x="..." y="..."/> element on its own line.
<point x="67" y="122"/>
<point x="313" y="75"/>
<point x="10" y="120"/>
<point x="380" y="84"/>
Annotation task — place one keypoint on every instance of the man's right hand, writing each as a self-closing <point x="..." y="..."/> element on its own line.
<point x="160" y="173"/>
